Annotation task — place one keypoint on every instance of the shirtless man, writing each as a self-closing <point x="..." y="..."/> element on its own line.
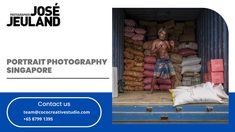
<point x="163" y="67"/>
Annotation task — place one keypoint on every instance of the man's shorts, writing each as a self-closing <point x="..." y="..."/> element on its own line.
<point x="163" y="69"/>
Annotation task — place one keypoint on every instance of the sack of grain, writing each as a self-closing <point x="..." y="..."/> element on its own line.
<point x="130" y="22"/>
<point x="178" y="76"/>
<point x="128" y="66"/>
<point x="164" y="81"/>
<point x="193" y="68"/>
<point x="148" y="80"/>
<point x="140" y="64"/>
<point x="138" y="69"/>
<point x="133" y="88"/>
<point x="135" y="52"/>
<point x="127" y="34"/>
<point x="140" y="31"/>
<point x="133" y="74"/>
<point x="129" y="29"/>
<point x="150" y="60"/>
<point x="177" y="83"/>
<point x="128" y="55"/>
<point x="169" y="24"/>
<point x="148" y="73"/>
<point x="191" y="74"/>
<point x="130" y="78"/>
<point x="148" y="45"/>
<point x="176" y="58"/>
<point x="190" y="61"/>
<point x="164" y="87"/>
<point x="187" y="52"/>
<point x="187" y="81"/>
<point x="177" y="67"/>
<point x="138" y="42"/>
<point x="196" y="80"/>
<point x="129" y="61"/>
<point x="134" y="83"/>
<point x="148" y="87"/>
<point x="133" y="46"/>
<point x="139" y="58"/>
<point x="152" y="31"/>
<point x="138" y="37"/>
<point x="149" y="67"/>
<point x="149" y="53"/>
<point x="147" y="23"/>
<point x="128" y="40"/>
<point x="190" y="45"/>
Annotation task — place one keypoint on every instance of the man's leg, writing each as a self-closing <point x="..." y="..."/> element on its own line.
<point x="172" y="81"/>
<point x="154" y="81"/>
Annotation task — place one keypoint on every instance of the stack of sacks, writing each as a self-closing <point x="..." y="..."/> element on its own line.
<point x="149" y="64"/>
<point x="176" y="60"/>
<point x="133" y="56"/>
<point x="151" y="27"/>
<point x="147" y="48"/>
<point x="164" y="84"/>
<point x="191" y="70"/>
<point x="188" y="32"/>
<point x="191" y="66"/>
<point x="174" y="29"/>
<point x="215" y="73"/>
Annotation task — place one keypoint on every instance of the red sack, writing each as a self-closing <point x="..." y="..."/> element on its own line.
<point x="129" y="29"/>
<point x="129" y="34"/>
<point x="148" y="80"/>
<point x="149" y="67"/>
<point x="140" y="31"/>
<point x="150" y="60"/>
<point x="164" y="87"/>
<point x="215" y="65"/>
<point x="138" y="37"/>
<point x="164" y="81"/>
<point x="138" y="42"/>
<point x="129" y="22"/>
<point x="148" y="73"/>
<point x="187" y="52"/>
<point x="148" y="87"/>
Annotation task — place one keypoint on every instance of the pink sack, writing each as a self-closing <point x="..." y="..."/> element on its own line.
<point x="187" y="52"/>
<point x="140" y="31"/>
<point x="129" y="29"/>
<point x="149" y="67"/>
<point x="138" y="37"/>
<point x="164" y="81"/>
<point x="129" y="22"/>
<point x="148" y="80"/>
<point x="148" y="87"/>
<point x="164" y="87"/>
<point x="129" y="34"/>
<point x="148" y="73"/>
<point x="150" y="60"/>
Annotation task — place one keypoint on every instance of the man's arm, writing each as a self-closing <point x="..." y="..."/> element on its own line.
<point x="154" y="49"/>
<point x="172" y="43"/>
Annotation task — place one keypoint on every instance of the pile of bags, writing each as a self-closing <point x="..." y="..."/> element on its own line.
<point x="133" y="56"/>
<point x="149" y="64"/>
<point x="165" y="84"/>
<point x="191" y="66"/>
<point x="176" y="60"/>
<point x="201" y="93"/>
<point x="152" y="29"/>
<point x="188" y="32"/>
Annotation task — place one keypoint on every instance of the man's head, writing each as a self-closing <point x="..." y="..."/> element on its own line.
<point x="162" y="33"/>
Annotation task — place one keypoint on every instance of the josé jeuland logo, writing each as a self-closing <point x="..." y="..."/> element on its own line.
<point x="41" y="16"/>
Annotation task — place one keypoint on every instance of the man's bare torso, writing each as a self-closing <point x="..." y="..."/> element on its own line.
<point x="160" y="47"/>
